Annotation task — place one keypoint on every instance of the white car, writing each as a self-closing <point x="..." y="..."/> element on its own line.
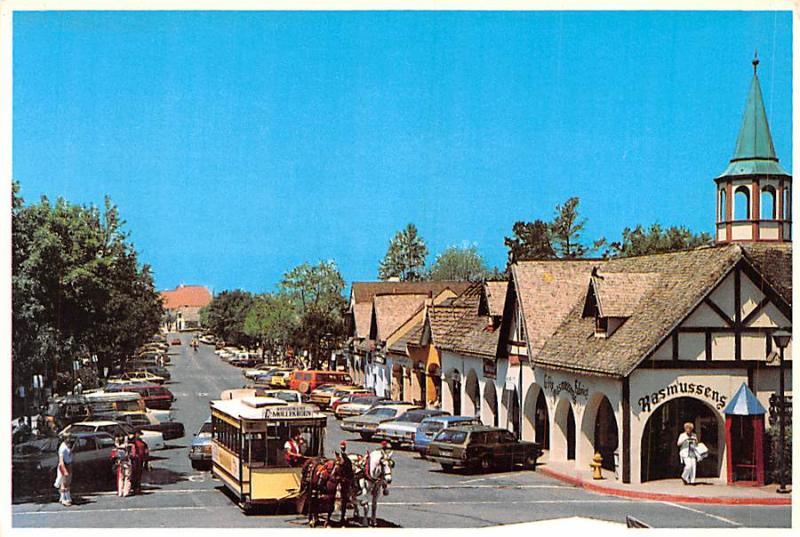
<point x="153" y="439"/>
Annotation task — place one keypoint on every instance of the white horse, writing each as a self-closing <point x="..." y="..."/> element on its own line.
<point x="372" y="479"/>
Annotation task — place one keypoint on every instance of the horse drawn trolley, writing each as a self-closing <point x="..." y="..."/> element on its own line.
<point x="248" y="447"/>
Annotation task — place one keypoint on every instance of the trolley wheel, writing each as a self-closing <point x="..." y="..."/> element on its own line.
<point x="196" y="465"/>
<point x="447" y="467"/>
<point x="366" y="436"/>
<point x="247" y="507"/>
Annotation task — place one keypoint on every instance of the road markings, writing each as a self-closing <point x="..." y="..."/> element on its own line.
<point x="197" y="478"/>
<point x="503" y="502"/>
<point x="693" y="510"/>
<point x="202" y="394"/>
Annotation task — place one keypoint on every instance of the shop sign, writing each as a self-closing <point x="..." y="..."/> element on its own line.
<point x="575" y="389"/>
<point x="647" y="402"/>
<point x="289" y="412"/>
<point x="490" y="369"/>
<point x="511" y="380"/>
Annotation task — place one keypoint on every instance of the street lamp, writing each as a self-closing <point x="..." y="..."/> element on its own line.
<point x="781" y="339"/>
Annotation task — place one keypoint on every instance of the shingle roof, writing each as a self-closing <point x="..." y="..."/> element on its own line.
<point x="443" y="318"/>
<point x="496" y="296"/>
<point x="362" y="314"/>
<point x="393" y="310"/>
<point x="471" y="297"/>
<point x="473" y="335"/>
<point x="682" y="280"/>
<point x="547" y="292"/>
<point x="186" y="296"/>
<point x="618" y="293"/>
<point x="774" y="261"/>
<point x="411" y="337"/>
<point x="366" y="291"/>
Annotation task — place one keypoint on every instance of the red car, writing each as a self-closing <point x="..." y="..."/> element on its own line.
<point x="154" y="396"/>
<point x="175" y="341"/>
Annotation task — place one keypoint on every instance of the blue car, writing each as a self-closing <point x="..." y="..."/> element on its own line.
<point x="200" y="449"/>
<point x="430" y="426"/>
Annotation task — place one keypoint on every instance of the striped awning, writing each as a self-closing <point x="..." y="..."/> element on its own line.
<point x="744" y="403"/>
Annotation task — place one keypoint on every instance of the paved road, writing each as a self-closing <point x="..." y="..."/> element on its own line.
<point x="421" y="495"/>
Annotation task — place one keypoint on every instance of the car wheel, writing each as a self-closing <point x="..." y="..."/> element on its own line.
<point x="366" y="436"/>
<point x="530" y="462"/>
<point x="447" y="467"/>
<point x="486" y="463"/>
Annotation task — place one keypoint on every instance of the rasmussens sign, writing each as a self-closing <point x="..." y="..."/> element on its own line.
<point x="647" y="402"/>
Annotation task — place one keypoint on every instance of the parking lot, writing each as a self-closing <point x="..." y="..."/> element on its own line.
<point x="421" y="495"/>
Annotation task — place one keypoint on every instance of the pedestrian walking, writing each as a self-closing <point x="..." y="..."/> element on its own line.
<point x="687" y="443"/>
<point x="140" y="458"/>
<point x="64" y="471"/>
<point x="78" y="389"/>
<point x="122" y="462"/>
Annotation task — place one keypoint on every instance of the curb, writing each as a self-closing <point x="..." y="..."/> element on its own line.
<point x="676" y="498"/>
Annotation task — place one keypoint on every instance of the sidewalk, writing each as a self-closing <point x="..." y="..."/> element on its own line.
<point x="707" y="490"/>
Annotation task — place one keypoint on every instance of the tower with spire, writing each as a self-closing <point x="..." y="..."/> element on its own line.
<point x="754" y="191"/>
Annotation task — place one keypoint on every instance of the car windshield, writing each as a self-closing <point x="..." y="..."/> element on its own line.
<point x="78" y="428"/>
<point x="285" y="396"/>
<point x="413" y="416"/>
<point x="451" y="437"/>
<point x="206" y="428"/>
<point x="382" y="412"/>
<point x="431" y="426"/>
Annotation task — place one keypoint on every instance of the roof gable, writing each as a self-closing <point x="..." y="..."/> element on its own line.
<point x="196" y="296"/>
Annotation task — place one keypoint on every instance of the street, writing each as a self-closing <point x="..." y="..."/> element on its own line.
<point x="421" y="495"/>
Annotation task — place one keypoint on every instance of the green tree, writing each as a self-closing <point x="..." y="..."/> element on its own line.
<point x="271" y="320"/>
<point x="405" y="257"/>
<point x="225" y="316"/>
<point x="77" y="288"/>
<point x="566" y="230"/>
<point x="316" y="291"/>
<point x="655" y="240"/>
<point x="529" y="240"/>
<point x="459" y="263"/>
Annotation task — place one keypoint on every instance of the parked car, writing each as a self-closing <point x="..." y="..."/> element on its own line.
<point x="175" y="341"/>
<point x="147" y="421"/>
<point x="200" y="449"/>
<point x="33" y="464"/>
<point x="341" y="391"/>
<point x="244" y="359"/>
<point x="137" y="376"/>
<point x="321" y="396"/>
<point x="154" y="396"/>
<point x="293" y="397"/>
<point x="479" y="446"/>
<point x="161" y="371"/>
<point x="102" y="402"/>
<point x="263" y="369"/>
<point x="279" y="379"/>
<point x="153" y="439"/>
<point x="356" y="406"/>
<point x="309" y="380"/>
<point x="403" y="429"/>
<point x="348" y="398"/>
<point x="366" y="424"/>
<point x="432" y="425"/>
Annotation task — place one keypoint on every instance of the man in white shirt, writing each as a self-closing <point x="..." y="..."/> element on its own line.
<point x="294" y="449"/>
<point x="64" y="471"/>
<point x="687" y="442"/>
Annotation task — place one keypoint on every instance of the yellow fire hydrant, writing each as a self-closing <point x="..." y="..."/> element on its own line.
<point x="596" y="465"/>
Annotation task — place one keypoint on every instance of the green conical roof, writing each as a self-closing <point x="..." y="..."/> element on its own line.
<point x="754" y="153"/>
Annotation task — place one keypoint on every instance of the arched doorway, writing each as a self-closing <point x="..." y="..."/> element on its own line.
<point x="599" y="433"/>
<point x="660" y="459"/>
<point x="565" y="429"/>
<point x="542" y="421"/>
<point x="512" y="406"/>
<point x="454" y="381"/>
<point x="397" y="382"/>
<point x="435" y="376"/>
<point x="529" y="413"/>
<point x="473" y="391"/>
<point x="489" y="415"/>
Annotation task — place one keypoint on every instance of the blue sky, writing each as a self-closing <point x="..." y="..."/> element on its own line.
<point x="239" y="145"/>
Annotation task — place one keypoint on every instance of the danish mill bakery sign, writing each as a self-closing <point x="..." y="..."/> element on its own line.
<point x="680" y="388"/>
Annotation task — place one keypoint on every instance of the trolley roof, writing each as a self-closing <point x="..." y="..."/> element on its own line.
<point x="257" y="408"/>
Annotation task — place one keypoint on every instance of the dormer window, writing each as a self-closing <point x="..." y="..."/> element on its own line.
<point x="600" y="326"/>
<point x="612" y="298"/>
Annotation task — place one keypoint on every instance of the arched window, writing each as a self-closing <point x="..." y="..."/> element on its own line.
<point x="787" y="204"/>
<point x="723" y="205"/>
<point x="768" y="203"/>
<point x="741" y="204"/>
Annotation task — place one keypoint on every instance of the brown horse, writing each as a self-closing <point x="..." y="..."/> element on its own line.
<point x="320" y="481"/>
